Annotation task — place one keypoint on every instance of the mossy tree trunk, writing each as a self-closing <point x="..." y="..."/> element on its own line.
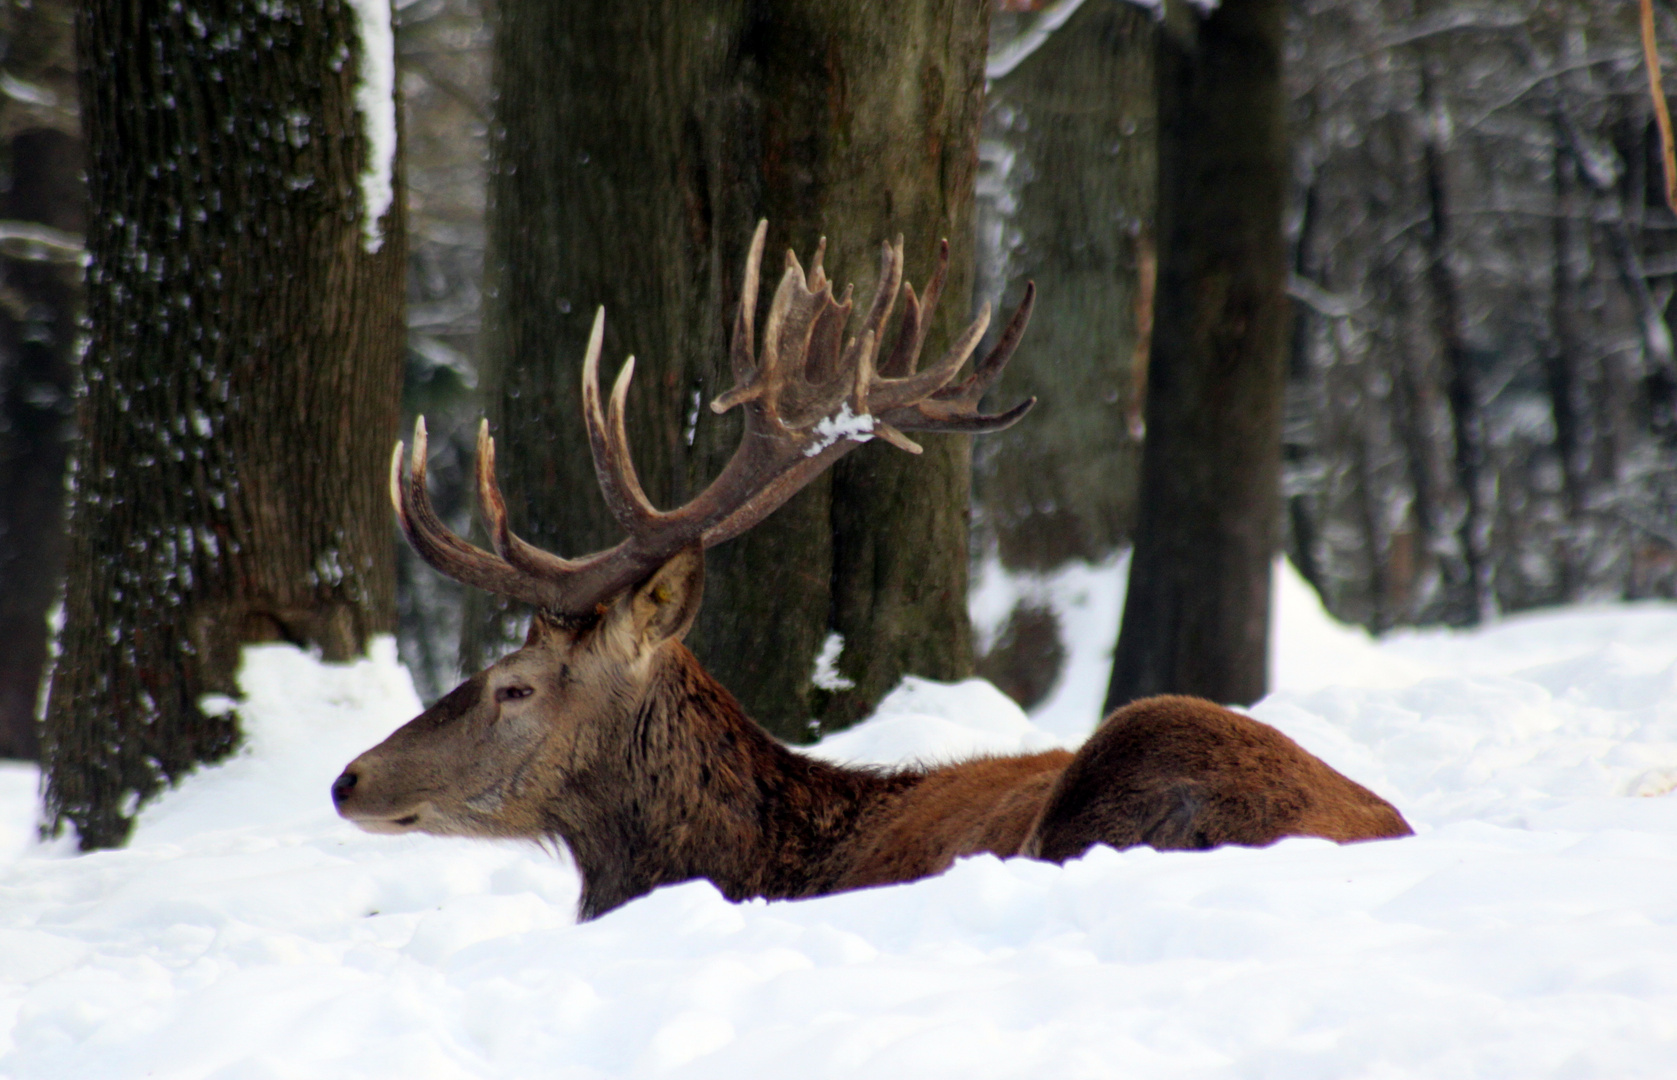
<point x="240" y="385"/>
<point x="636" y="147"/>
<point x="1196" y="616"/>
<point x="1067" y="202"/>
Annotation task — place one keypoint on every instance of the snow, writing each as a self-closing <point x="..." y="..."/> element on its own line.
<point x="1088" y="599"/>
<point x="827" y="675"/>
<point x="1009" y="56"/>
<point x="843" y="424"/>
<point x="1529" y="929"/>
<point x="1005" y="58"/>
<point x="375" y="100"/>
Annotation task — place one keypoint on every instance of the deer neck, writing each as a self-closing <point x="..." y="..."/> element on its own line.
<point x="698" y="790"/>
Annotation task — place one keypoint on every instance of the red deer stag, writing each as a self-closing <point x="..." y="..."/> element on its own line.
<point x="604" y="733"/>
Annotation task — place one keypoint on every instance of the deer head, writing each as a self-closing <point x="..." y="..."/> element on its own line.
<point x="535" y="746"/>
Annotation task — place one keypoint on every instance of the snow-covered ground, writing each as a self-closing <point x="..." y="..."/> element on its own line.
<point x="1528" y="930"/>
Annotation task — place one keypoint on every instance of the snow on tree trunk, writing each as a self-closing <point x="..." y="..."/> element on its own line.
<point x="239" y="390"/>
<point x="1066" y="199"/>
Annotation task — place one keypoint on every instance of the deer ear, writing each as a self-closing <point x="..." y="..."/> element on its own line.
<point x="666" y="604"/>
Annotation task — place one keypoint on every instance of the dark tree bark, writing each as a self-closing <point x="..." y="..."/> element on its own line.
<point x="1462" y="381"/>
<point x="40" y="301"/>
<point x="1565" y="370"/>
<point x="240" y="385"/>
<point x="37" y="350"/>
<point x="636" y="147"/>
<point x="1196" y="618"/>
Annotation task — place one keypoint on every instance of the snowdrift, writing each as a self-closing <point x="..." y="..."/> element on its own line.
<point x="1529" y="929"/>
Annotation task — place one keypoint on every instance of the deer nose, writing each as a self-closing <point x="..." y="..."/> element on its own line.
<point x="342" y="786"/>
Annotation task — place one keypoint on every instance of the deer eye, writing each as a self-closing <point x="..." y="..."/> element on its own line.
<point x="512" y="693"/>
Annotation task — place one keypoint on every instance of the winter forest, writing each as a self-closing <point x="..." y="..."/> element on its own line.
<point x="1350" y="341"/>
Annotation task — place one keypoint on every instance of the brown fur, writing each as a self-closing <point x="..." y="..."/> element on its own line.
<point x="983" y="805"/>
<point x="1182" y="773"/>
<point x="610" y="738"/>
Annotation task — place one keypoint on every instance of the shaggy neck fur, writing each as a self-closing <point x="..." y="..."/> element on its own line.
<point x="695" y="789"/>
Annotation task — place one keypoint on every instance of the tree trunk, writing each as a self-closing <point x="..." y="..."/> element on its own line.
<point x="240" y="385"/>
<point x="40" y="303"/>
<point x="636" y="146"/>
<point x="1473" y="468"/>
<point x="873" y="120"/>
<point x="1068" y="202"/>
<point x="1196" y="618"/>
<point x="443" y="50"/>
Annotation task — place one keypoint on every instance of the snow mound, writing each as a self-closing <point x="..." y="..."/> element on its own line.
<point x="931" y="722"/>
<point x="303" y="722"/>
<point x="1529" y="929"/>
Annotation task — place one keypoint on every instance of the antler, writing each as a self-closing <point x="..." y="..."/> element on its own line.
<point x="808" y="401"/>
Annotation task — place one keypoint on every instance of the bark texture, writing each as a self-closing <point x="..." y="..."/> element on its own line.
<point x="240" y="386"/>
<point x="1066" y="199"/>
<point x="636" y="146"/>
<point x="1196" y="617"/>
<point x="40" y="302"/>
<point x="1068" y="176"/>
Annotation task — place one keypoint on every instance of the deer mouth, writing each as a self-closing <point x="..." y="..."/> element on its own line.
<point x="386" y="814"/>
<point x="386" y="819"/>
<point x="402" y="824"/>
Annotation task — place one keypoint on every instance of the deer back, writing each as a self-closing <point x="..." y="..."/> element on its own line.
<point x="1182" y="773"/>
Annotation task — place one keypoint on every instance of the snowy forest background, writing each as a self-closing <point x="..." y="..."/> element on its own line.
<point x="1480" y="418"/>
<point x="1482" y="396"/>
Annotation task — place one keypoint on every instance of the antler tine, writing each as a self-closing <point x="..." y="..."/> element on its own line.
<point x="955" y="408"/>
<point x="942" y="417"/>
<point x="890" y="284"/>
<point x="743" y="354"/>
<point x="917" y="319"/>
<point x="764" y="380"/>
<point x="910" y="336"/>
<point x="884" y="300"/>
<point x="608" y="441"/>
<point x="623" y="461"/>
<point x="518" y="553"/>
<point x="440" y="547"/>
<point x="934" y="286"/>
<point x="489" y="501"/>
<point x="862" y="377"/>
<point x="890" y="393"/>
<point x="987" y="370"/>
<point x="818" y="272"/>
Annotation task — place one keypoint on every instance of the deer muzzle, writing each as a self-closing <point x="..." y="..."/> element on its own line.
<point x="358" y="802"/>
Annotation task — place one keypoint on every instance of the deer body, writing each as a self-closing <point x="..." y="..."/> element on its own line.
<point x="656" y="776"/>
<point x="604" y="734"/>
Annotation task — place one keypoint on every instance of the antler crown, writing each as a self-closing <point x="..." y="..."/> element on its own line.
<point x="809" y="397"/>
